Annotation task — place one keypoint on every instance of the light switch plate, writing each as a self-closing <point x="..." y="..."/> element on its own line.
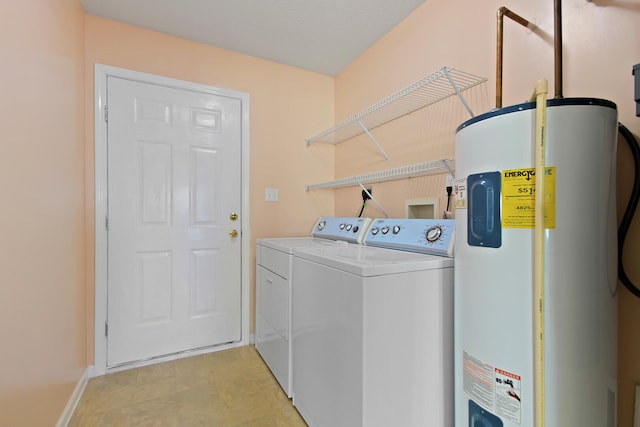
<point x="271" y="194"/>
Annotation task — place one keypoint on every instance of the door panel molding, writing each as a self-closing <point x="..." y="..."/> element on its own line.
<point x="102" y="72"/>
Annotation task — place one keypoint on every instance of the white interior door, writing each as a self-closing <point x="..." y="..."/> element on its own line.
<point x="174" y="185"/>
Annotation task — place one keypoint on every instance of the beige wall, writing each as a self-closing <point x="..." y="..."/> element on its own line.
<point x="46" y="279"/>
<point x="601" y="44"/>
<point x="42" y="289"/>
<point x="287" y="106"/>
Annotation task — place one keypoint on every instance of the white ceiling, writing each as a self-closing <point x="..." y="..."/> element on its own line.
<point x="317" y="35"/>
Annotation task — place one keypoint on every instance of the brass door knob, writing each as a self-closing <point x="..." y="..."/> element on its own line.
<point x="233" y="216"/>
<point x="233" y="233"/>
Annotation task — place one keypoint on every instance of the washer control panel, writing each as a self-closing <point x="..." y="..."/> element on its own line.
<point x="429" y="236"/>
<point x="348" y="229"/>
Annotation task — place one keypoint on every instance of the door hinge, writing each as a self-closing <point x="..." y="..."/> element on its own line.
<point x="106" y="222"/>
<point x="106" y="113"/>
<point x="106" y="329"/>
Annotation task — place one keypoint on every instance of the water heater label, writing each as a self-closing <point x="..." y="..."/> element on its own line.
<point x="508" y="395"/>
<point x="460" y="193"/>
<point x="519" y="198"/>
<point x="496" y="390"/>
<point x="478" y="381"/>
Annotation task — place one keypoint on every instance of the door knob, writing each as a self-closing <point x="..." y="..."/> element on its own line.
<point x="233" y="216"/>
<point x="233" y="233"/>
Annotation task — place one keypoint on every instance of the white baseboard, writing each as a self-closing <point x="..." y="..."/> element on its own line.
<point x="75" y="397"/>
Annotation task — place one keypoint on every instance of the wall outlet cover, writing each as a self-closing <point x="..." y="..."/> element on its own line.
<point x="450" y="181"/>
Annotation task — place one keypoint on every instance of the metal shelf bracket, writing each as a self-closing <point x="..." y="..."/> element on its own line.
<point x="458" y="92"/>
<point x="384" y="153"/>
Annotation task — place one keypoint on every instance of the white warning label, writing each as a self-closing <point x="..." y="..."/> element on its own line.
<point x="496" y="390"/>
<point x="508" y="395"/>
<point x="460" y="193"/>
<point x="478" y="381"/>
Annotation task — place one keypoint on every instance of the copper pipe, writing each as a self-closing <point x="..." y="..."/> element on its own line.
<point x="558" y="47"/>
<point x="503" y="11"/>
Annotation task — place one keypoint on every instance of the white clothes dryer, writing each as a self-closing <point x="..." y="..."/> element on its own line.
<point x="373" y="328"/>
<point x="273" y="287"/>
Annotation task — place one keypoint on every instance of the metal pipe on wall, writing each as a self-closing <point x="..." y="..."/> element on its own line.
<point x="557" y="46"/>
<point x="503" y="11"/>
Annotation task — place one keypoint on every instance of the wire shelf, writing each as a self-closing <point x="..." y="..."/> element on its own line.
<point x="420" y="169"/>
<point x="430" y="89"/>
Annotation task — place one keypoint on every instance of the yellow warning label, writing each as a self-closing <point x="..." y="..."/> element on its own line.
<point x="519" y="198"/>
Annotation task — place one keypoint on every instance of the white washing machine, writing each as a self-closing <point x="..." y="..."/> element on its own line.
<point x="273" y="287"/>
<point x="373" y="328"/>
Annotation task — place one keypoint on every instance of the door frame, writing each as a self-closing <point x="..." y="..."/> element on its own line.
<point x="101" y="73"/>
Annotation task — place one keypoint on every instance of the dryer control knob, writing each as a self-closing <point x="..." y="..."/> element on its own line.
<point x="433" y="234"/>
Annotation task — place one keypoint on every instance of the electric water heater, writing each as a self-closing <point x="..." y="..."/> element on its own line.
<point x="494" y="198"/>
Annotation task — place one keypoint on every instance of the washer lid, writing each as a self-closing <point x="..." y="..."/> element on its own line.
<point x="368" y="261"/>
<point x="288" y="244"/>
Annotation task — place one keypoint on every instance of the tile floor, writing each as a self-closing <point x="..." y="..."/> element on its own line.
<point x="226" y="388"/>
